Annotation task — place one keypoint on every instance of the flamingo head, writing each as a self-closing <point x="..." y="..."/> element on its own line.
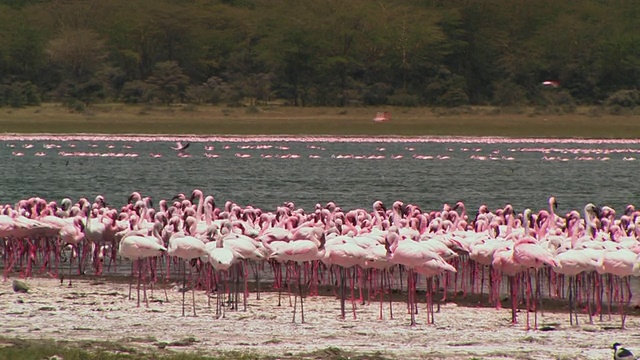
<point x="553" y="203"/>
<point x="135" y="196"/>
<point x="79" y="223"/>
<point x="178" y="197"/>
<point x="592" y="210"/>
<point x="378" y="207"/>
<point x="630" y="209"/>
<point x="196" y="193"/>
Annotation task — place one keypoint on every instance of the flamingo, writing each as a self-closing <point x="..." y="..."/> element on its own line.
<point x="619" y="262"/>
<point x="180" y="146"/>
<point x="528" y="253"/>
<point x="186" y="248"/>
<point x="73" y="234"/>
<point x="346" y="254"/>
<point x="245" y="248"/>
<point x="221" y="259"/>
<point x="410" y="254"/>
<point x="430" y="269"/>
<point x="504" y="263"/>
<point x="571" y="263"/>
<point x="136" y="248"/>
<point x="300" y="251"/>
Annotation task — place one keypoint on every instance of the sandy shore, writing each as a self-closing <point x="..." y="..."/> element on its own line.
<point x="101" y="310"/>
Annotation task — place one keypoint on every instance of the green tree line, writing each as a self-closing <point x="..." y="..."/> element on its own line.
<point x="320" y="53"/>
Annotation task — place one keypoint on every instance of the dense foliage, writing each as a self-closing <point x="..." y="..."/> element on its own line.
<point x="309" y="52"/>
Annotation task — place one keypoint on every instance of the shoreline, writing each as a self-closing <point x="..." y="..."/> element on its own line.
<point x="113" y="118"/>
<point x="239" y="138"/>
<point x="99" y="310"/>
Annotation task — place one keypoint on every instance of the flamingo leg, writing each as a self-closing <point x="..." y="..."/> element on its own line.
<point x="342" y="292"/>
<point x="193" y="290"/>
<point x="184" y="283"/>
<point x="571" y="301"/>
<point x="411" y="296"/>
<point x="139" y="266"/>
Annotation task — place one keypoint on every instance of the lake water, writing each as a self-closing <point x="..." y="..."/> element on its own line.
<point x="352" y="172"/>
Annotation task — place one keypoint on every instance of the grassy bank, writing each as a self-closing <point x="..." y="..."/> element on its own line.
<point x="129" y="349"/>
<point x="190" y="119"/>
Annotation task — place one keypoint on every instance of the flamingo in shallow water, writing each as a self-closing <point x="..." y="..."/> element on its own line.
<point x="137" y="247"/>
<point x="186" y="248"/>
<point x="301" y="251"/>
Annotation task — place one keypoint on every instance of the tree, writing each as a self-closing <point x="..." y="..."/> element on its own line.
<point x="80" y="54"/>
<point x="170" y="80"/>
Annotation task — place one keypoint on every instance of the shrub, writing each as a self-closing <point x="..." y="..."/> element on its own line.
<point x="624" y="99"/>
<point x="377" y="94"/>
<point x="403" y="99"/>
<point x="75" y="105"/>
<point x="19" y="94"/>
<point x="508" y="93"/>
<point x="136" y="91"/>
<point x="556" y="101"/>
<point x="454" y="97"/>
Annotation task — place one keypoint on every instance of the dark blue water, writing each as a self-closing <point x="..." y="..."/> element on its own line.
<point x="428" y="174"/>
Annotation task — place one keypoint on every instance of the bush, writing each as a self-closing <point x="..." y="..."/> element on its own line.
<point x="624" y="99"/>
<point x="403" y="100"/>
<point x="554" y="101"/>
<point x="19" y="94"/>
<point x="508" y="93"/>
<point x="454" y="97"/>
<point x="75" y="105"/>
<point x="136" y="91"/>
<point x="4" y="94"/>
<point x="377" y="94"/>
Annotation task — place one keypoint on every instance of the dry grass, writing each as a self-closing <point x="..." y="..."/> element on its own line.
<point x="190" y="119"/>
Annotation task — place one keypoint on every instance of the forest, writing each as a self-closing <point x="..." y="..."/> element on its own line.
<point x="446" y="53"/>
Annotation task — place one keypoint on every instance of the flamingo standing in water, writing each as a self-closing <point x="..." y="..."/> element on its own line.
<point x="301" y="251"/>
<point x="347" y="255"/>
<point x="410" y="254"/>
<point x="136" y="248"/>
<point x="618" y="262"/>
<point x="73" y="234"/>
<point x="221" y="259"/>
<point x="186" y="248"/>
<point x="571" y="263"/>
<point x="528" y="253"/>
<point x="504" y="263"/>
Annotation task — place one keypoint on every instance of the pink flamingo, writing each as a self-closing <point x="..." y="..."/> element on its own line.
<point x="430" y="269"/>
<point x="346" y="255"/>
<point x="528" y="253"/>
<point x="186" y="248"/>
<point x="410" y="254"/>
<point x="73" y="234"/>
<point x="504" y="263"/>
<point x="221" y="259"/>
<point x="136" y="248"/>
<point x="619" y="262"/>
<point x="571" y="263"/>
<point x="300" y="251"/>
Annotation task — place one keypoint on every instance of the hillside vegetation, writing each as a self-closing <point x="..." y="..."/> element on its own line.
<point x="322" y="53"/>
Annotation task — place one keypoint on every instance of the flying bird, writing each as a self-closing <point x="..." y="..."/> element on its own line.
<point x="180" y="146"/>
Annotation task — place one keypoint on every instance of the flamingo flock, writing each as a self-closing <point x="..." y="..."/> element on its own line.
<point x="584" y="257"/>
<point x="474" y="149"/>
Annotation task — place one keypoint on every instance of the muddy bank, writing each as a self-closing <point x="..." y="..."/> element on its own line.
<point x="100" y="310"/>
